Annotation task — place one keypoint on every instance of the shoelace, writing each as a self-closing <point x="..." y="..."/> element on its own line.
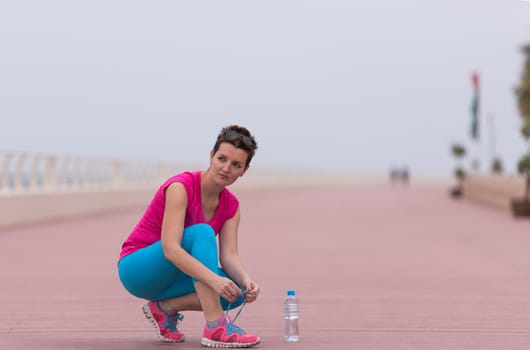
<point x="172" y="321"/>
<point x="237" y="314"/>
<point x="232" y="328"/>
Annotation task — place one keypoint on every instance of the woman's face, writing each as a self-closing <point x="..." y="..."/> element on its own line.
<point x="228" y="164"/>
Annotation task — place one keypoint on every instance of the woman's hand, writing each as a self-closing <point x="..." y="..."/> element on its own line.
<point x="252" y="290"/>
<point x="226" y="288"/>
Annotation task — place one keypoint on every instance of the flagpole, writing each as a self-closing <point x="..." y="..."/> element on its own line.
<point x="475" y="119"/>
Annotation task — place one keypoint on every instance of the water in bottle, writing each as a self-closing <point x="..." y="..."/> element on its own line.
<point x="290" y="307"/>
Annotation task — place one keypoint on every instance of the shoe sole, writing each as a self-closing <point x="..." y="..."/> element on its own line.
<point x="151" y="318"/>
<point x="208" y="343"/>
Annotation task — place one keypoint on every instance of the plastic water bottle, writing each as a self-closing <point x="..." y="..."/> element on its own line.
<point x="290" y="308"/>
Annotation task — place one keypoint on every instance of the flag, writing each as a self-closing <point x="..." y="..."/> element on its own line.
<point x="475" y="80"/>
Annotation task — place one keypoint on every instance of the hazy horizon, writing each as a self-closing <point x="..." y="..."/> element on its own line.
<point x="325" y="86"/>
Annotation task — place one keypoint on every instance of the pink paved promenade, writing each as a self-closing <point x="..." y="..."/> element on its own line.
<point x="376" y="267"/>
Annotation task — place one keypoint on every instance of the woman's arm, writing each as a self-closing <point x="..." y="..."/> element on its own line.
<point x="230" y="260"/>
<point x="172" y="231"/>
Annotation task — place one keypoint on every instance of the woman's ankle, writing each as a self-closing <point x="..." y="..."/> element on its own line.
<point x="214" y="323"/>
<point x="214" y="316"/>
<point x="166" y="306"/>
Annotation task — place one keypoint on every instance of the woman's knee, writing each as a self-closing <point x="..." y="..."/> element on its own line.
<point x="199" y="241"/>
<point x="198" y="233"/>
<point x="203" y="229"/>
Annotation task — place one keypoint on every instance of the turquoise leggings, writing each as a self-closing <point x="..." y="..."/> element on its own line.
<point x="147" y="274"/>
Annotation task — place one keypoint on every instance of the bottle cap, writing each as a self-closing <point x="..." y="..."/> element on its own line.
<point x="291" y="292"/>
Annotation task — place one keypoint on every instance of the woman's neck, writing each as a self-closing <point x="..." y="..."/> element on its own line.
<point x="208" y="187"/>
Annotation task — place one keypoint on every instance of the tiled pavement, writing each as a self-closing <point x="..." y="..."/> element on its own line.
<point x="375" y="267"/>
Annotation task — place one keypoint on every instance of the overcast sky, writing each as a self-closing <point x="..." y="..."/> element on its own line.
<point x="358" y="86"/>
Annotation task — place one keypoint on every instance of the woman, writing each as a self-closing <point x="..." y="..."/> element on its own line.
<point x="171" y="257"/>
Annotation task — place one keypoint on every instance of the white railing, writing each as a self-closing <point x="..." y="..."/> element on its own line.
<point x="37" y="172"/>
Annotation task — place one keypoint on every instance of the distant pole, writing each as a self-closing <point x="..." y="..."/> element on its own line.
<point x="475" y="107"/>
<point x="475" y="118"/>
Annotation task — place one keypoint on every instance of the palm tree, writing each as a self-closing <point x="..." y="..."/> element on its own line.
<point x="459" y="152"/>
<point x="522" y="92"/>
<point x="524" y="163"/>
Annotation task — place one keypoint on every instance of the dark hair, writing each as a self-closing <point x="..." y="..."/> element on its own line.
<point x="239" y="137"/>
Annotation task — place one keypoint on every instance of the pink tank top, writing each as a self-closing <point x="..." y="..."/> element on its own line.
<point x="149" y="228"/>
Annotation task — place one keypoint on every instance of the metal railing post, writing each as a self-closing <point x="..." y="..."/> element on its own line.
<point x="50" y="173"/>
<point x="33" y="172"/>
<point x="4" y="175"/>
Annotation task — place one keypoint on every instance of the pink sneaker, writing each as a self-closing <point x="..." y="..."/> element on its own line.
<point x="164" y="322"/>
<point x="227" y="335"/>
